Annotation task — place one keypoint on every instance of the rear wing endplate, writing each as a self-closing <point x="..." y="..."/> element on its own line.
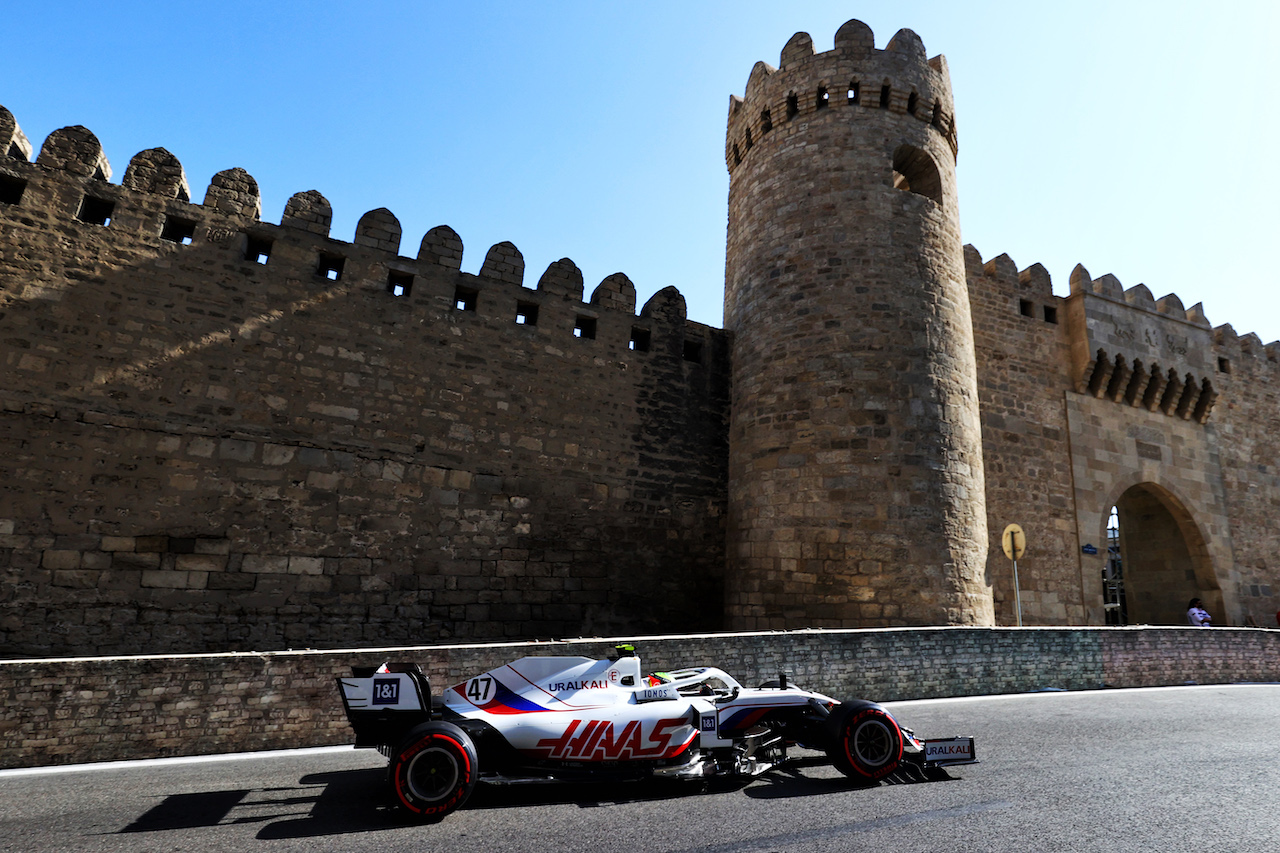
<point x="383" y="703"/>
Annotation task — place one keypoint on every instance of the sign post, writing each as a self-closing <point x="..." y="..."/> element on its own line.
<point x="1014" y="542"/>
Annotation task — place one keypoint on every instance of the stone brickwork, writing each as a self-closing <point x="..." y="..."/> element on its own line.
<point x="1140" y="406"/>
<point x="1247" y="429"/>
<point x="855" y="458"/>
<point x="68" y="711"/>
<point x="220" y="433"/>
<point x="1026" y="443"/>
<point x="1111" y="398"/>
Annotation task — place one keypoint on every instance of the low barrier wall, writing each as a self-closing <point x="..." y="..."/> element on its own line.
<point x="62" y="711"/>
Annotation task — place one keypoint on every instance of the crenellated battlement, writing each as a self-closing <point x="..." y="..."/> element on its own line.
<point x="854" y="75"/>
<point x="13" y="142"/>
<point x="1127" y="345"/>
<point x="1229" y="344"/>
<point x="1032" y="281"/>
<point x="1034" y="289"/>
<point x="1027" y="292"/>
<point x="70" y="180"/>
<point x="1131" y="348"/>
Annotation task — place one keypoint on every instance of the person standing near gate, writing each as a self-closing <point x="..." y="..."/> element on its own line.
<point x="1197" y="615"/>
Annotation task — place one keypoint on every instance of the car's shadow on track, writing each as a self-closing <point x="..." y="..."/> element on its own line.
<point x="790" y="781"/>
<point x="349" y="801"/>
<point x="794" y="779"/>
<point x="359" y="801"/>
<point x="333" y="803"/>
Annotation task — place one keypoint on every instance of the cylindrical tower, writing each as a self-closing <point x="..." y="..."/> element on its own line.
<point x="856" y="494"/>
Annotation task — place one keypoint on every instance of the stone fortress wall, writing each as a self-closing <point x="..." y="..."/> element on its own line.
<point x="222" y="433"/>
<point x="1108" y="397"/>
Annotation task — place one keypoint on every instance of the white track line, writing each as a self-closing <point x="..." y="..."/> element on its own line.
<point x="174" y="762"/>
<point x="996" y="697"/>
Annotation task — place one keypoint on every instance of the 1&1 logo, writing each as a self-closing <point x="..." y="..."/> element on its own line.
<point x="386" y="691"/>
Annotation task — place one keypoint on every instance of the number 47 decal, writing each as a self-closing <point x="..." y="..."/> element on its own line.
<point x="479" y="689"/>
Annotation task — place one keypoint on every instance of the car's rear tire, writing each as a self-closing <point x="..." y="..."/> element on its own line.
<point x="434" y="770"/>
<point x="867" y="743"/>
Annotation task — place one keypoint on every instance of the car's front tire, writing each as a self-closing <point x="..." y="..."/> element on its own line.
<point x="434" y="770"/>
<point x="867" y="743"/>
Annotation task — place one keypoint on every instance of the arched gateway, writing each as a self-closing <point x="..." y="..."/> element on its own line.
<point x="1163" y="559"/>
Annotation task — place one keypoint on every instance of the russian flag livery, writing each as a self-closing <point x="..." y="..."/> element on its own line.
<point x="497" y="698"/>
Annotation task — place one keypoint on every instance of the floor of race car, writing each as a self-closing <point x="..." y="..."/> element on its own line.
<point x="805" y="772"/>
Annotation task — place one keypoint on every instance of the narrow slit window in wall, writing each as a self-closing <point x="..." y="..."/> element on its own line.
<point x="526" y="314"/>
<point x="330" y="266"/>
<point x="96" y="211"/>
<point x="11" y="189"/>
<point x="465" y="298"/>
<point x="257" y="250"/>
<point x="178" y="230"/>
<point x="399" y="283"/>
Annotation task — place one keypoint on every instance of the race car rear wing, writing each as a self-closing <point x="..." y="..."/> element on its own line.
<point x="383" y="703"/>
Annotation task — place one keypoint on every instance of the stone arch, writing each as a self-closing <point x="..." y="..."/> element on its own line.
<point x="1164" y="552"/>
<point x="914" y="170"/>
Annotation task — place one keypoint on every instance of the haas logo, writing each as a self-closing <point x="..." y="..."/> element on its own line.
<point x="602" y="740"/>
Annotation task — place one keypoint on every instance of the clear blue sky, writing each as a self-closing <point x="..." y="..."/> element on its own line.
<point x="1135" y="138"/>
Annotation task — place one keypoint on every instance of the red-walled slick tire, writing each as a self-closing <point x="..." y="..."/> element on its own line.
<point x="867" y="744"/>
<point x="434" y="770"/>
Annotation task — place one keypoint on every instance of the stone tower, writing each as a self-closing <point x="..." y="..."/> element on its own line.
<point x="856" y="493"/>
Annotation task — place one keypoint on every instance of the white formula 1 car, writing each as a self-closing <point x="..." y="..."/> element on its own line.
<point x="563" y="719"/>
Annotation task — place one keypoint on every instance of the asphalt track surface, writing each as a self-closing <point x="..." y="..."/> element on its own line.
<point x="1166" y="769"/>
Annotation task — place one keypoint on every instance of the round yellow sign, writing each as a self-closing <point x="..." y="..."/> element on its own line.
<point x="1014" y="542"/>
